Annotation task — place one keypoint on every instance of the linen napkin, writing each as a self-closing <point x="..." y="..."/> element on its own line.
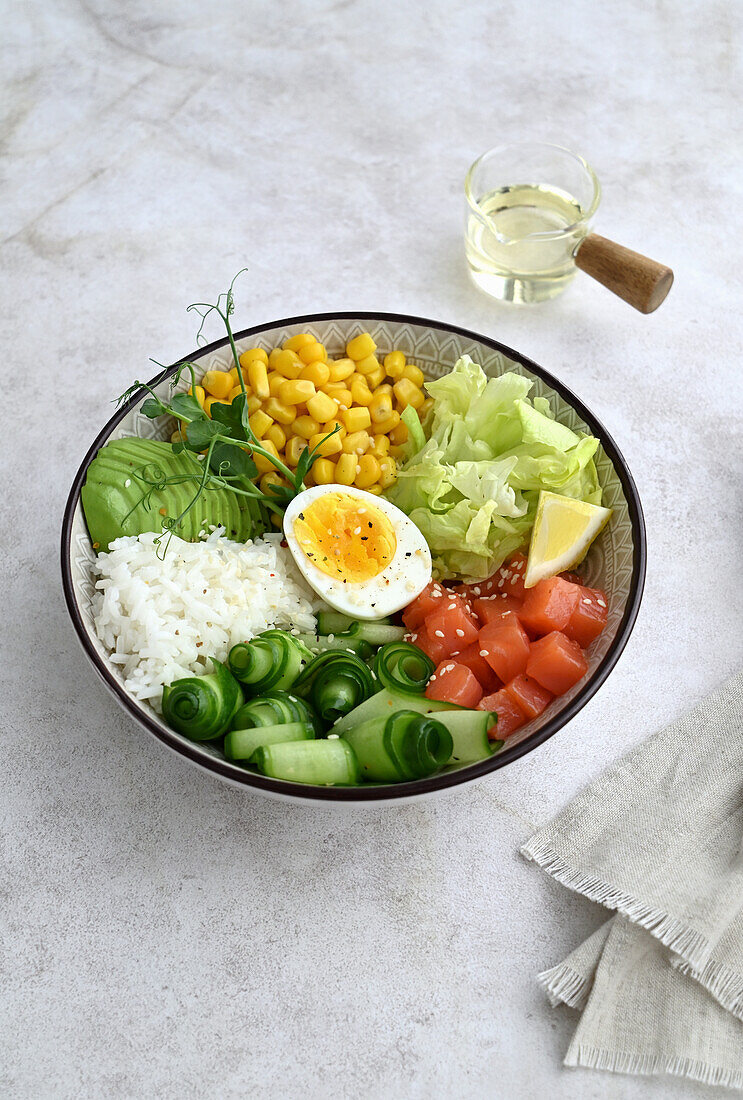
<point x="658" y="838"/>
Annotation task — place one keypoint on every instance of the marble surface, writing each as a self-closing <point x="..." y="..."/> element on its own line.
<point x="164" y="935"/>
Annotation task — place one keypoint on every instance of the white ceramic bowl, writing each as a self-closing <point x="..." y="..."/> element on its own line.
<point x="615" y="563"/>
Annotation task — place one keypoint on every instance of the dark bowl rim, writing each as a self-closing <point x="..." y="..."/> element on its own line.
<point x="392" y="791"/>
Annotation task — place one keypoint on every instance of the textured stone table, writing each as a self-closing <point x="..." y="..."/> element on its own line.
<point x="164" y="936"/>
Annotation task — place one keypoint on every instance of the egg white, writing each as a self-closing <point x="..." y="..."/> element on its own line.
<point x="401" y="581"/>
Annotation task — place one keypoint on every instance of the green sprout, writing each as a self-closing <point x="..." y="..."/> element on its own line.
<point x="225" y="443"/>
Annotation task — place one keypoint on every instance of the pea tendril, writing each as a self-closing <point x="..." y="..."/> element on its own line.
<point x="225" y="441"/>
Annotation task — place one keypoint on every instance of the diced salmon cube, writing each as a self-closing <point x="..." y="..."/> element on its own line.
<point x="504" y="644"/>
<point x="488" y="608"/>
<point x="556" y="662"/>
<point x="509" y="578"/>
<point x="436" y="648"/>
<point x="480" y="667"/>
<point x="549" y="605"/>
<point x="423" y="605"/>
<point x="453" y="620"/>
<point x="527" y="694"/>
<point x="454" y="683"/>
<point x="510" y="716"/>
<point x="589" y="617"/>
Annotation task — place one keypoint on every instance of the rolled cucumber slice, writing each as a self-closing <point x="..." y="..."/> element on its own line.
<point x="241" y="744"/>
<point x="469" y="733"/>
<point x="387" y="702"/>
<point x="324" y="763"/>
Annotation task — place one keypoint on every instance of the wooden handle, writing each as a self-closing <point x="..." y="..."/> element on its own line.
<point x="642" y="282"/>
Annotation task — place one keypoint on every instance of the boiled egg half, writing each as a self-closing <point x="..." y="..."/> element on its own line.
<point x="360" y="553"/>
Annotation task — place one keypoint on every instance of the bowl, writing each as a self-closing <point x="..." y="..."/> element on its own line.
<point x="616" y="561"/>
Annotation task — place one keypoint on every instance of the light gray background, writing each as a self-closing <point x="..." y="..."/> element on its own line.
<point x="165" y="935"/>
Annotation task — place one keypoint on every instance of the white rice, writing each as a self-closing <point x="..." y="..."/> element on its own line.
<point x="162" y="619"/>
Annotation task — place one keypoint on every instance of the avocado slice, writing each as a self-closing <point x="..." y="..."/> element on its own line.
<point x="114" y="488"/>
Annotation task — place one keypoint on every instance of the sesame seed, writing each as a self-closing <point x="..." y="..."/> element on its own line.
<point x="476" y="591"/>
<point x="601" y="602"/>
<point x="459" y="633"/>
<point x="451" y="607"/>
<point x="484" y="652"/>
<point x="586" y="600"/>
<point x="514" y="578"/>
<point x="438" y="634"/>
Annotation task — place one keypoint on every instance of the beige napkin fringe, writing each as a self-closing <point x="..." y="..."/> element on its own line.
<point x="724" y="984"/>
<point x="650" y="1064"/>
<point x="563" y="985"/>
<point x="686" y="942"/>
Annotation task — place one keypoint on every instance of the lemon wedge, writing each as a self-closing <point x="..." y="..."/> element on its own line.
<point x="563" y="531"/>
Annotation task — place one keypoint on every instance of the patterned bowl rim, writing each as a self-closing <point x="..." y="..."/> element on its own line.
<point x="390" y="791"/>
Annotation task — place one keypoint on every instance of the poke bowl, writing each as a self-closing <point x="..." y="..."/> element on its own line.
<point x="614" y="564"/>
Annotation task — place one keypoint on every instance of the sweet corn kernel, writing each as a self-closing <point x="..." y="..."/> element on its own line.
<point x="306" y="426"/>
<point x="407" y="393"/>
<point x="322" y="407"/>
<point x="357" y="418"/>
<point x="233" y="377"/>
<point x="277" y="435"/>
<point x="211" y="401"/>
<point x="386" y="426"/>
<point x="326" y="447"/>
<point x="388" y="472"/>
<point x="233" y="394"/>
<point x="397" y="452"/>
<point x="275" y="381"/>
<point x="356" y="443"/>
<point x="177" y="437"/>
<point x="297" y="392"/>
<point x="368" y="364"/>
<point x="277" y="410"/>
<point x="272" y="356"/>
<point x="294" y="449"/>
<point x="270" y="479"/>
<point x="217" y="383"/>
<point x="375" y="377"/>
<point x="394" y="364"/>
<point x="318" y="373"/>
<point x="360" y="392"/>
<point x="340" y="394"/>
<point x="341" y="369"/>
<point x="294" y="343"/>
<point x="360" y="347"/>
<point x="376" y="489"/>
<point x="334" y="426"/>
<point x="288" y="364"/>
<point x="253" y="355"/>
<point x="324" y="471"/>
<point x="199" y="393"/>
<point x="312" y="353"/>
<point x="380" y="445"/>
<point x="381" y="407"/>
<point x="263" y="464"/>
<point x="260" y="422"/>
<point x="254" y="404"/>
<point x="414" y="374"/>
<point x="425" y="408"/>
<point x="345" y="469"/>
<point x="258" y="378"/>
<point x="367" y="471"/>
<point x="399" y="435"/>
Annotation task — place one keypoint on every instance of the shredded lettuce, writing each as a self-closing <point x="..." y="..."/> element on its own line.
<point x="472" y="486"/>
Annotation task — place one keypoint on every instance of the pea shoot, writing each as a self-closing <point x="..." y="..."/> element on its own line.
<point x="225" y="442"/>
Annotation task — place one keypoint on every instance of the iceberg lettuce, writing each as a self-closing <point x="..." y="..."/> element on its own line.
<point x="472" y="486"/>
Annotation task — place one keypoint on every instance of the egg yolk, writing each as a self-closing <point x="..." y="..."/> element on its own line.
<point x="345" y="537"/>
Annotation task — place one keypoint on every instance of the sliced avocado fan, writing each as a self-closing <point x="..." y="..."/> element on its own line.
<point x="112" y="497"/>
